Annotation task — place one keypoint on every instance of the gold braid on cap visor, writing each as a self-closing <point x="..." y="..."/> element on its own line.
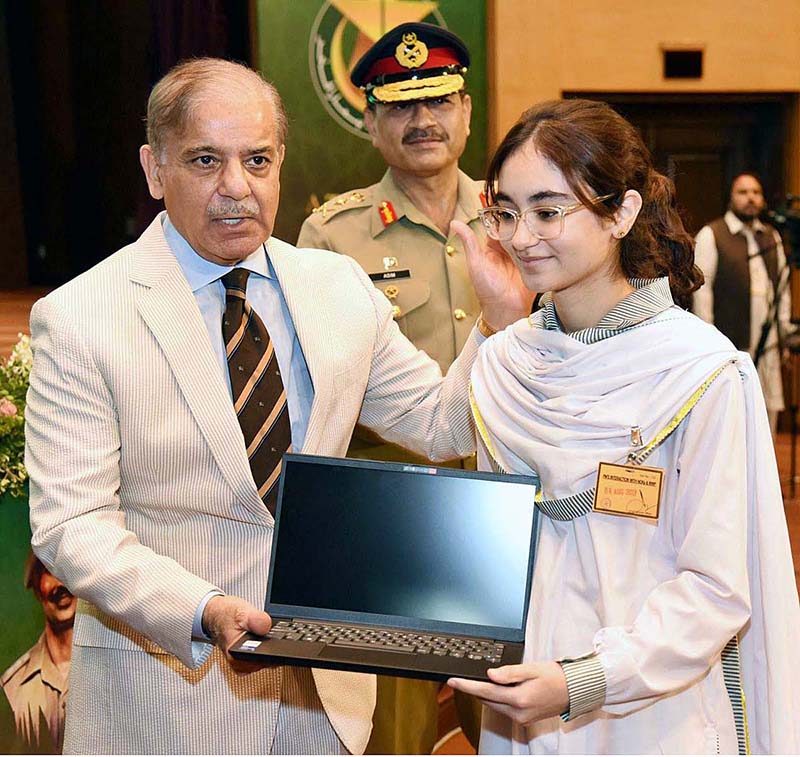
<point x="418" y="89"/>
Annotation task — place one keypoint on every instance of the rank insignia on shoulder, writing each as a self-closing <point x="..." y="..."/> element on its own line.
<point x="337" y="203"/>
<point x="387" y="213"/>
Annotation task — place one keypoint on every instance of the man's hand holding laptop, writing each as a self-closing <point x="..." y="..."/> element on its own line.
<point x="226" y="618"/>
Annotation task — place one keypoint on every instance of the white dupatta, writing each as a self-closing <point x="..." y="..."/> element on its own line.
<point x="556" y="406"/>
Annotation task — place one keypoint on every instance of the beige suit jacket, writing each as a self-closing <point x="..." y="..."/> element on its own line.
<point x="142" y="498"/>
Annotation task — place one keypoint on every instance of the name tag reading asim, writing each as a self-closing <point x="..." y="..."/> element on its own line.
<point x="632" y="490"/>
<point x="403" y="273"/>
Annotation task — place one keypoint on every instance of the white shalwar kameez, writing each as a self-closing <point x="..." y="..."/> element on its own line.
<point x="656" y="601"/>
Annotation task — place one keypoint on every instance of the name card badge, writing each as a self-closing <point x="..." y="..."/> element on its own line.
<point x="403" y="273"/>
<point x="632" y="490"/>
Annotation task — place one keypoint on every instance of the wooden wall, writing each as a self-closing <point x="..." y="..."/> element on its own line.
<point x="542" y="48"/>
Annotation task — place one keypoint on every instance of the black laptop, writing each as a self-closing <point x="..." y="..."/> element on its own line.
<point x="397" y="569"/>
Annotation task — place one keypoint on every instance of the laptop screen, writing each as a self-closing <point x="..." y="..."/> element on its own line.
<point x="402" y="541"/>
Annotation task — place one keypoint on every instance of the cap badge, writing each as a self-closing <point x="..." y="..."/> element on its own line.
<point x="411" y="52"/>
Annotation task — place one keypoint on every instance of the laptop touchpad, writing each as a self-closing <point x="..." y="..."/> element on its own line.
<point x="290" y="648"/>
<point x="364" y="656"/>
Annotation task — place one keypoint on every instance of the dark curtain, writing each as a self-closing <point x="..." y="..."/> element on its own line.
<point x="192" y="29"/>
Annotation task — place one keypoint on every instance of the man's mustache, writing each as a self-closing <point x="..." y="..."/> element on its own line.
<point x="229" y="209"/>
<point x="60" y="592"/>
<point x="419" y="135"/>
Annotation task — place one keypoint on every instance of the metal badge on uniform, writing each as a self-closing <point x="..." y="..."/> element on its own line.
<point x="391" y="293"/>
<point x="632" y="490"/>
<point x="402" y="273"/>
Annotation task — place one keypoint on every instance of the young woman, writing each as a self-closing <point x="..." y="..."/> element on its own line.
<point x="663" y="595"/>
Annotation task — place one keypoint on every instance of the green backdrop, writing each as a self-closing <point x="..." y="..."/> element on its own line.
<point x="323" y="157"/>
<point x="22" y="619"/>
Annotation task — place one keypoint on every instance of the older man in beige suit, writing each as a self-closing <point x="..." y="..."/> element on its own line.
<point x="146" y="499"/>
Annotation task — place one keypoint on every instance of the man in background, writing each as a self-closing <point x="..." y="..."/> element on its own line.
<point x="418" y="116"/>
<point x="36" y="684"/>
<point x="744" y="266"/>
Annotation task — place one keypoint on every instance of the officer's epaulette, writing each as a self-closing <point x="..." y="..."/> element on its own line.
<point x="9" y="674"/>
<point x="345" y="201"/>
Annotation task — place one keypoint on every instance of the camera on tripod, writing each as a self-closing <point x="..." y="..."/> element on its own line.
<point x="788" y="216"/>
<point x="786" y="220"/>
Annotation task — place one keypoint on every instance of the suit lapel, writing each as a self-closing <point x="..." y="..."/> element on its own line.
<point x="312" y="324"/>
<point x="167" y="305"/>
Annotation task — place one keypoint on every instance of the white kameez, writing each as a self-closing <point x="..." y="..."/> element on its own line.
<point x="656" y="601"/>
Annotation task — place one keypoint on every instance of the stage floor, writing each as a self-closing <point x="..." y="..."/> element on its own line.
<point x="15" y="307"/>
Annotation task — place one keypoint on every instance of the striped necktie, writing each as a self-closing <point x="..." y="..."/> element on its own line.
<point x="259" y="397"/>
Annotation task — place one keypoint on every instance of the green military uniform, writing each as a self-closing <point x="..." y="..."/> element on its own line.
<point x="420" y="269"/>
<point x="36" y="689"/>
<point x="423" y="272"/>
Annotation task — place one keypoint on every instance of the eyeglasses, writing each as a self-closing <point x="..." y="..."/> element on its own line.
<point x="543" y="222"/>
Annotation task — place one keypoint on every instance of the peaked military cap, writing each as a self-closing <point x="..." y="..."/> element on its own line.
<point x="413" y="61"/>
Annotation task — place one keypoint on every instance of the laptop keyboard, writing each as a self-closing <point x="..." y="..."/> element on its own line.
<point x="409" y="642"/>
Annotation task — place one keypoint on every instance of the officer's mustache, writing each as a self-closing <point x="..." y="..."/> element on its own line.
<point x="420" y="135"/>
<point x="232" y="209"/>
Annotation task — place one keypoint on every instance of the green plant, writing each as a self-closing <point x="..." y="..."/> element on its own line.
<point x="14" y="375"/>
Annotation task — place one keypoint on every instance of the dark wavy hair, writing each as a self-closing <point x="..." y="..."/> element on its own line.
<point x="600" y="153"/>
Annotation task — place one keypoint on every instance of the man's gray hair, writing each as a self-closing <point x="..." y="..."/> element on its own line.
<point x="174" y="96"/>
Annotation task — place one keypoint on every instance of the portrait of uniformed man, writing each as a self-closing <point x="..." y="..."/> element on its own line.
<point x="36" y="685"/>
<point x="418" y="117"/>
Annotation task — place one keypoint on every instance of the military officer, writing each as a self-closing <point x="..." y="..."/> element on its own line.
<point x="36" y="685"/>
<point x="418" y="116"/>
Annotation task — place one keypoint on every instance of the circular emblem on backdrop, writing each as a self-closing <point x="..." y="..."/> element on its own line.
<point x="342" y="32"/>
